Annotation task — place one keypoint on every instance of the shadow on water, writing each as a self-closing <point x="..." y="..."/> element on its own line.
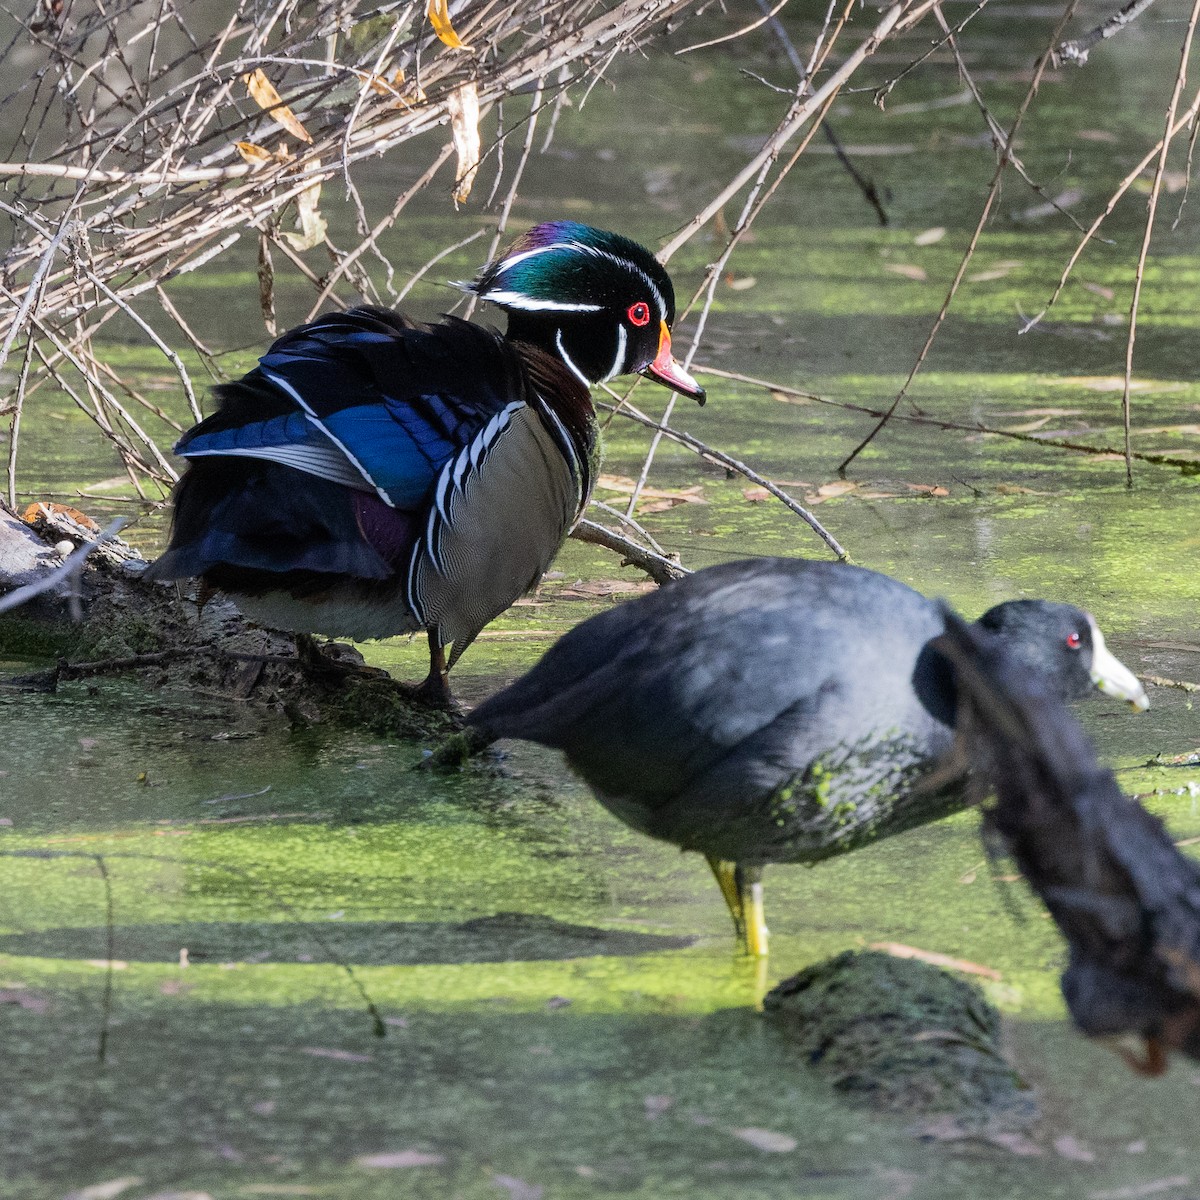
<point x="504" y="937"/>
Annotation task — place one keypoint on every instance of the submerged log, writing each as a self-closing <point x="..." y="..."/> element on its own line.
<point x="173" y="636"/>
<point x="904" y="1036"/>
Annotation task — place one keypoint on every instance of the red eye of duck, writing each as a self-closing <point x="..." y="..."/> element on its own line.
<point x="1074" y="641"/>
<point x="639" y="313"/>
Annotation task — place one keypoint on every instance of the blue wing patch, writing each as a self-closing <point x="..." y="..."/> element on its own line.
<point x="381" y="404"/>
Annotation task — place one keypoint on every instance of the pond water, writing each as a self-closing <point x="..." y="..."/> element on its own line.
<point x="564" y="1013"/>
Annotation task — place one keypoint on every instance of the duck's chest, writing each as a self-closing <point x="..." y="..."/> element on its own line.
<point x="497" y="516"/>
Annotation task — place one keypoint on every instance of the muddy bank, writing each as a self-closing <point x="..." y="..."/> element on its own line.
<point x="172" y="638"/>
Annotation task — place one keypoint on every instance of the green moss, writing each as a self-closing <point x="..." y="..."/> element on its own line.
<point x="901" y="1035"/>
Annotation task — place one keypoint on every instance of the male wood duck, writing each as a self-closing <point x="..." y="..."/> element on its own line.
<point x="374" y="475"/>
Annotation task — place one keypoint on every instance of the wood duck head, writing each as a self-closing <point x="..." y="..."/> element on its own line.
<point x="600" y="302"/>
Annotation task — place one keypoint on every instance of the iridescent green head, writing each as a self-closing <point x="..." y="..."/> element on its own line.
<point x="600" y="302"/>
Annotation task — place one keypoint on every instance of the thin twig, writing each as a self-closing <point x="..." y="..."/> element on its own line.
<point x="1151" y="210"/>
<point x="993" y="191"/>
<point x="627" y="411"/>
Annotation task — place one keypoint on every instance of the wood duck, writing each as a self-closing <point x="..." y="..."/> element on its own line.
<point x="374" y="475"/>
<point x="778" y="710"/>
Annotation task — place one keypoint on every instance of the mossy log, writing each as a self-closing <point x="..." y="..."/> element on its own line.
<point x="173" y="636"/>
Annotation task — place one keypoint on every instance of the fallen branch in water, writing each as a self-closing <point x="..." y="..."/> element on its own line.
<point x="69" y="571"/>
<point x="1190" y="466"/>
<point x="659" y="568"/>
<point x="1159" y="681"/>
<point x="1077" y="50"/>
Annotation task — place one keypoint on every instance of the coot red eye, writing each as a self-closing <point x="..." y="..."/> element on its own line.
<point x="639" y="313"/>
<point x="1074" y="641"/>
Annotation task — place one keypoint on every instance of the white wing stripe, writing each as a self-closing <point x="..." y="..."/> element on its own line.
<point x="312" y="460"/>
<point x="454" y="474"/>
<point x="283" y="384"/>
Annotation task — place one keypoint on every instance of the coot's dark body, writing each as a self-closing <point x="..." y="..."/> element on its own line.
<point x="717" y="713"/>
<point x="777" y="710"/>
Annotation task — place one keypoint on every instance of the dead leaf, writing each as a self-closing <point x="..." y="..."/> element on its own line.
<point x="1097" y="289"/>
<point x="463" y="106"/>
<point x="930" y="237"/>
<point x="401" y="1158"/>
<point x="767" y="1139"/>
<point x="756" y="494"/>
<point x="105" y="1191"/>
<point x="309" y="221"/>
<point x="928" y="489"/>
<point x="900" y="950"/>
<point x="1071" y="1147"/>
<point x="336" y="1055"/>
<point x="1047" y="412"/>
<point x="1028" y="426"/>
<point x="835" y="488"/>
<point x="387" y="87"/>
<point x="1172" y="182"/>
<point x="1063" y="200"/>
<point x="41" y="509"/>
<point x="173" y="1195"/>
<point x="518" y="1189"/>
<point x="996" y="272"/>
<point x="256" y="156"/>
<point x="908" y="270"/>
<point x="744" y="284"/>
<point x="1096" y="135"/>
<point x="1016" y="489"/>
<point x="263" y="92"/>
<point x="790" y="397"/>
<point x="1116" y="383"/>
<point x="439" y="17"/>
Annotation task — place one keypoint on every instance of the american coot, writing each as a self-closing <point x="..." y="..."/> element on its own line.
<point x="375" y="476"/>
<point x="1126" y="899"/>
<point x="777" y="710"/>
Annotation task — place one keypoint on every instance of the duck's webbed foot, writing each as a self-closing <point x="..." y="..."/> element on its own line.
<point x="434" y="690"/>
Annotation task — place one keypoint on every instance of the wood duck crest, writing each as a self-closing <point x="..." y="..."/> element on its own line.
<point x="374" y="475"/>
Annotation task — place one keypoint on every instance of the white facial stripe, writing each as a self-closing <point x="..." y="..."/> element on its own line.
<point x="587" y="383"/>
<point x="619" y="360"/>
<point x="530" y="304"/>
<point x="580" y="248"/>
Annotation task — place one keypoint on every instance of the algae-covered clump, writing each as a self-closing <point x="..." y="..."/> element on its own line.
<point x="901" y="1035"/>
